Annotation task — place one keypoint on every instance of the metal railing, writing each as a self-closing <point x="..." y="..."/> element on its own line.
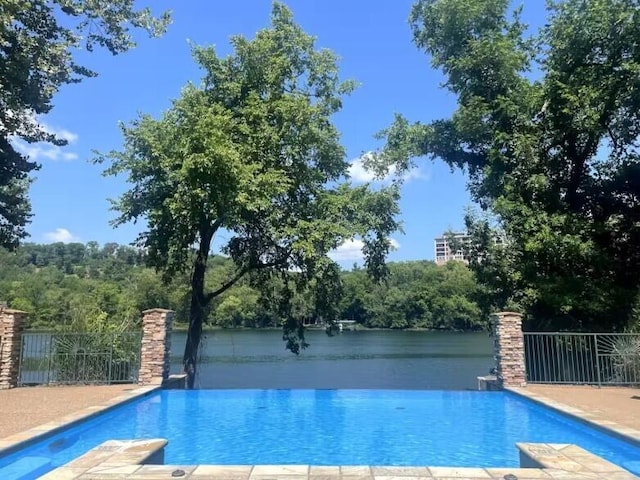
<point x="583" y="358"/>
<point x="79" y="358"/>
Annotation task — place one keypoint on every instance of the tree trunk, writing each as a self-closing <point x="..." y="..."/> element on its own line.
<point x="199" y="300"/>
<point x="194" y="335"/>
<point x="197" y="309"/>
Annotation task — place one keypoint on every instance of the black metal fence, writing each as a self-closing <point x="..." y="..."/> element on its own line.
<point x="583" y="358"/>
<point x="79" y="358"/>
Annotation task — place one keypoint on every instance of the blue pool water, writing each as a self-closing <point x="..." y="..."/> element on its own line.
<point x="326" y="427"/>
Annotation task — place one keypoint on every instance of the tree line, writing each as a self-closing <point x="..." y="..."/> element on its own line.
<point x="547" y="130"/>
<point x="60" y="284"/>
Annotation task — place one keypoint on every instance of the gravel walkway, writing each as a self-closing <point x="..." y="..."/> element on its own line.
<point x="28" y="407"/>
<point x="621" y="405"/>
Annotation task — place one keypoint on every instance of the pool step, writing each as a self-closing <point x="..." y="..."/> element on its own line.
<point x="567" y="458"/>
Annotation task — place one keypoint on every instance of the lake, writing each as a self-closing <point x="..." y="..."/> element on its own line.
<point x="380" y="359"/>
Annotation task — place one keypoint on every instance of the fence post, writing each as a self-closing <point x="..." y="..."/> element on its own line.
<point x="508" y="349"/>
<point x="155" y="346"/>
<point x="599" y="376"/>
<point x="12" y="324"/>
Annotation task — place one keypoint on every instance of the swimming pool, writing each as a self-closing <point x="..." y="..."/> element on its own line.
<point x="326" y="427"/>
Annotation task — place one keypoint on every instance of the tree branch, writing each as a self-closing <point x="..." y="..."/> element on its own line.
<point x="230" y="283"/>
<point x="238" y="275"/>
<point x="581" y="157"/>
<point x="613" y="138"/>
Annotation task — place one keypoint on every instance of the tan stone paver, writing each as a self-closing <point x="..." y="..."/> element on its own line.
<point x="459" y="472"/>
<point x="27" y="407"/>
<point x="615" y="404"/>
<point x="125" y="459"/>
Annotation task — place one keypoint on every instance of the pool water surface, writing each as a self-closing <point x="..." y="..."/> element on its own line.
<point x="326" y="427"/>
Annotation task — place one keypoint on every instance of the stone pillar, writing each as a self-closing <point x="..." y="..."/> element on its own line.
<point x="508" y="349"/>
<point x="12" y="323"/>
<point x="156" y="345"/>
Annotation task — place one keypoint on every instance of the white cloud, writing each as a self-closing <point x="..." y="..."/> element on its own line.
<point x="416" y="173"/>
<point x="45" y="151"/>
<point x="360" y="174"/>
<point x="60" y="235"/>
<point x="352" y="250"/>
<point x="349" y="250"/>
<point x="62" y="133"/>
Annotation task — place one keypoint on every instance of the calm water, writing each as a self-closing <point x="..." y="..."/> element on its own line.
<point x="327" y="427"/>
<point x="364" y="359"/>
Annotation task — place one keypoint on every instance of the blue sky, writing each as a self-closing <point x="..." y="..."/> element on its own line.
<point x="373" y="39"/>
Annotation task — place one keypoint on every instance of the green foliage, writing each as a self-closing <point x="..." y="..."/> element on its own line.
<point x="86" y="319"/>
<point x="415" y="295"/>
<point x="237" y="308"/>
<point x="101" y="290"/>
<point x="251" y="151"/>
<point x="547" y="129"/>
<point x="37" y="39"/>
<point x="51" y="282"/>
<point x="626" y="359"/>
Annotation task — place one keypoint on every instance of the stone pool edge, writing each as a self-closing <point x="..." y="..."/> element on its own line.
<point x="144" y="460"/>
<point x="16" y="441"/>
<point x="627" y="434"/>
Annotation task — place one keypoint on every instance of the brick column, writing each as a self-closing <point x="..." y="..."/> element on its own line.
<point x="508" y="349"/>
<point x="12" y="324"/>
<point x="156" y="345"/>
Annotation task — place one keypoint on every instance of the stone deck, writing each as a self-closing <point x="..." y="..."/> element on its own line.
<point x="593" y="417"/>
<point x="63" y="405"/>
<point x="27" y="407"/>
<point x="620" y="405"/>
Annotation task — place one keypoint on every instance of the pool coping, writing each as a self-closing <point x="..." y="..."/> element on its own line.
<point x="144" y="459"/>
<point x="16" y="441"/>
<point x="541" y="461"/>
<point x="621" y="432"/>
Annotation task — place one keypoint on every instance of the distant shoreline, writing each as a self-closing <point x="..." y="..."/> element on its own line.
<point x="183" y="327"/>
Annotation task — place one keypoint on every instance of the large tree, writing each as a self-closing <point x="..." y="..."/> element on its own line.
<point x="547" y="129"/>
<point x="251" y="154"/>
<point x="37" y="39"/>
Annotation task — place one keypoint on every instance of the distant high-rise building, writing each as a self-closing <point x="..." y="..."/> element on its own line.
<point x="445" y="253"/>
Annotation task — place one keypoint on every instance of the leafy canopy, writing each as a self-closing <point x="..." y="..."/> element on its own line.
<point x="37" y="39"/>
<point x="252" y="152"/>
<point x="547" y="129"/>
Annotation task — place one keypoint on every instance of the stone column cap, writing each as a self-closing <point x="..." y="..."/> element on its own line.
<point x="507" y="313"/>
<point x="158" y="310"/>
<point x="11" y="310"/>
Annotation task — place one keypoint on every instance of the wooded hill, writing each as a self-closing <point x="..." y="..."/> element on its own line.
<point x="60" y="283"/>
